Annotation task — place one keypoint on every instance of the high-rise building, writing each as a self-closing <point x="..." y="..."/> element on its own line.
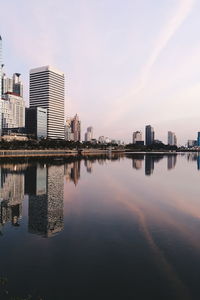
<point x="12" y="85"/>
<point x="12" y="105"/>
<point x="36" y="122"/>
<point x="191" y="143"/>
<point x="137" y="136"/>
<point x="17" y="85"/>
<point x="12" y="111"/>
<point x="76" y="128"/>
<point x="198" y="139"/>
<point x="47" y="91"/>
<point x="1" y="66"/>
<point x="172" y="140"/>
<point x="69" y="136"/>
<point x="89" y="134"/>
<point x="150" y="135"/>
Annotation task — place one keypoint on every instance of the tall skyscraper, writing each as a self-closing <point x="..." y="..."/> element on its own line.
<point x="150" y="135"/>
<point x="172" y="140"/>
<point x="198" y="139"/>
<point x="47" y="91"/>
<point x="1" y="66"/>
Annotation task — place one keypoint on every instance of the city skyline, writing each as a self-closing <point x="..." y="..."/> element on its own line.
<point x="146" y="71"/>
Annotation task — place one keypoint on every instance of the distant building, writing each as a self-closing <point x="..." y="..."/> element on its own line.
<point x="1" y="66"/>
<point x="12" y="105"/>
<point x="36" y="122"/>
<point x="101" y="139"/>
<point x="47" y="91"/>
<point x="12" y="111"/>
<point x="149" y="135"/>
<point x="172" y="140"/>
<point x="198" y="139"/>
<point x="76" y="128"/>
<point x="107" y="140"/>
<point x="191" y="143"/>
<point x="12" y="85"/>
<point x="137" y="136"/>
<point x="68" y="131"/>
<point x="89" y="134"/>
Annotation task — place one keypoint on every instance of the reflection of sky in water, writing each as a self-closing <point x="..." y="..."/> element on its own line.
<point x="126" y="222"/>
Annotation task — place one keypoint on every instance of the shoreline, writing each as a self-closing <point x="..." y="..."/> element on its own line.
<point x="83" y="152"/>
<point x="54" y="153"/>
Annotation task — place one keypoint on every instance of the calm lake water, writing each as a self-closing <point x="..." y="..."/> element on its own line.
<point x="118" y="227"/>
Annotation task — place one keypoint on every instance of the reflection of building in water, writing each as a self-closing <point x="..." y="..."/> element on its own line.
<point x="171" y="161"/>
<point x="46" y="201"/>
<point x="11" y="193"/>
<point x="149" y="163"/>
<point x="88" y="165"/>
<point x="198" y="161"/>
<point x="191" y="156"/>
<point x="73" y="171"/>
<point x="35" y="179"/>
<point x="10" y="212"/>
<point x="137" y="161"/>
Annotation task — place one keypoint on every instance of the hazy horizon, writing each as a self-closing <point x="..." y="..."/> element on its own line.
<point x="127" y="64"/>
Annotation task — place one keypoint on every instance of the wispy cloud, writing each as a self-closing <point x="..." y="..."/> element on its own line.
<point x="124" y="104"/>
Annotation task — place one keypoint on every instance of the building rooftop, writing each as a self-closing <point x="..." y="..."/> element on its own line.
<point x="46" y="68"/>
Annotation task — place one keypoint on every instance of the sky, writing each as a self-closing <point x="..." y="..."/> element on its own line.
<point x="127" y="63"/>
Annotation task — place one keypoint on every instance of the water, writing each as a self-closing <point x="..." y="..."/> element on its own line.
<point x="117" y="227"/>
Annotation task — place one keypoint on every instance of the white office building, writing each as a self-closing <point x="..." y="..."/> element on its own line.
<point x="89" y="134"/>
<point x="137" y="136"/>
<point x="47" y="91"/>
<point x="172" y="140"/>
<point x="13" y="111"/>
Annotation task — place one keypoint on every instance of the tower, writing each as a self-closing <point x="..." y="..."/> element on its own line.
<point x="149" y="138"/>
<point x="47" y="91"/>
<point x="1" y="66"/>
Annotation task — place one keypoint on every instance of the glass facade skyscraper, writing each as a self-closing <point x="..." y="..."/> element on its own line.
<point x="36" y="122"/>
<point x="198" y="139"/>
<point x="150" y="135"/>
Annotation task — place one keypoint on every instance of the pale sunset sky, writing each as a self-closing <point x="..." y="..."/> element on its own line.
<point x="127" y="63"/>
